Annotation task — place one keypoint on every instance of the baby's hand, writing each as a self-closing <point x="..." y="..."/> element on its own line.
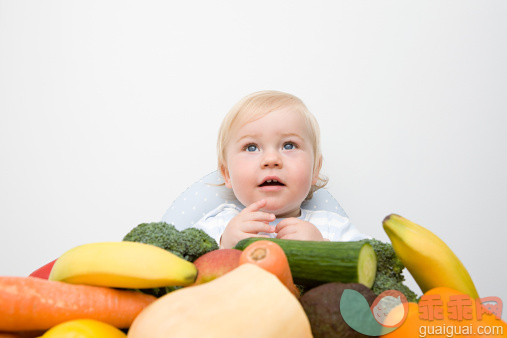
<point x="248" y="223"/>
<point x="295" y="228"/>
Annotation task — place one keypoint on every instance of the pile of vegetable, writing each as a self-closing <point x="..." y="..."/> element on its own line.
<point x="273" y="287"/>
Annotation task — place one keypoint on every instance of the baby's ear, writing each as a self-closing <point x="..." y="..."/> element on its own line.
<point x="226" y="176"/>
<point x="316" y="172"/>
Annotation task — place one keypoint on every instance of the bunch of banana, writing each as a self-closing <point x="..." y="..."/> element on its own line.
<point x="428" y="259"/>
<point x="123" y="265"/>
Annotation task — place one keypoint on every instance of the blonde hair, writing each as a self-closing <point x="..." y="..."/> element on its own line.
<point x="259" y="104"/>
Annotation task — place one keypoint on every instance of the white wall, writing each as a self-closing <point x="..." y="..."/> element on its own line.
<point x="110" y="109"/>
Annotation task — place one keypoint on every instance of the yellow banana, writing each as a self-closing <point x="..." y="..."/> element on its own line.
<point x="123" y="265"/>
<point x="428" y="259"/>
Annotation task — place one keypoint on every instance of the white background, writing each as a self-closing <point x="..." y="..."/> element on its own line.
<point x="110" y="109"/>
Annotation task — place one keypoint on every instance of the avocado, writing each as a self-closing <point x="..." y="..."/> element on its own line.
<point x="322" y="306"/>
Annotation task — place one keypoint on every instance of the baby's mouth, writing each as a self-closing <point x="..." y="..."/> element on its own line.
<point x="268" y="183"/>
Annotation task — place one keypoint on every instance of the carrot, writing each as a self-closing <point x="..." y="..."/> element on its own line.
<point x="25" y="334"/>
<point x="31" y="303"/>
<point x="271" y="257"/>
<point x="9" y="335"/>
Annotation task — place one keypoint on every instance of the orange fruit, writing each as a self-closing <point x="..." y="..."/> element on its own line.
<point x="444" y="312"/>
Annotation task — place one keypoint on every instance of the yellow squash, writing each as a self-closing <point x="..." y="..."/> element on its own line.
<point x="246" y="302"/>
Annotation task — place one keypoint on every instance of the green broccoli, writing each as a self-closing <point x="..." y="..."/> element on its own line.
<point x="159" y="292"/>
<point x="197" y="243"/>
<point x="161" y="234"/>
<point x="389" y="271"/>
<point x="189" y="244"/>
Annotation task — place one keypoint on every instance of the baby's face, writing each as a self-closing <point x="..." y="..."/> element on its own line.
<point x="274" y="147"/>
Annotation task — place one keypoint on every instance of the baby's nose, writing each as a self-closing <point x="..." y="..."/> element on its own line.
<point x="272" y="159"/>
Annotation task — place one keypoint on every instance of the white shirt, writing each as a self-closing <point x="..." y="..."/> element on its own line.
<point x="331" y="225"/>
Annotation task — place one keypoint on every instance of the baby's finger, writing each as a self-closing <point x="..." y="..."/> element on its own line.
<point x="254" y="227"/>
<point x="256" y="206"/>
<point x="285" y="222"/>
<point x="260" y="216"/>
<point x="288" y="236"/>
<point x="285" y="231"/>
<point x="255" y="235"/>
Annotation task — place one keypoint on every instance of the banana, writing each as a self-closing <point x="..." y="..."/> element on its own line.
<point x="428" y="259"/>
<point x="123" y="265"/>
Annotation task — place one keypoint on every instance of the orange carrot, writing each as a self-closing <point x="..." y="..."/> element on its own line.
<point x="25" y="334"/>
<point x="9" y="335"/>
<point x="30" y="303"/>
<point x="271" y="257"/>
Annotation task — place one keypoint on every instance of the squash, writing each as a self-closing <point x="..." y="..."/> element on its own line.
<point x="246" y="302"/>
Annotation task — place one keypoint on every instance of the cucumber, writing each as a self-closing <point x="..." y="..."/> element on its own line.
<point x="313" y="262"/>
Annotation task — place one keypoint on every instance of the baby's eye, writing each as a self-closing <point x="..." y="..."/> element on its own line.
<point x="250" y="147"/>
<point x="289" y="146"/>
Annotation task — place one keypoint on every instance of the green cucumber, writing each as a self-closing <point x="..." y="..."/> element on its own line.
<point x="314" y="262"/>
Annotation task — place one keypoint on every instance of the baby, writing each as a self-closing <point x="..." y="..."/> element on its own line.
<point x="270" y="157"/>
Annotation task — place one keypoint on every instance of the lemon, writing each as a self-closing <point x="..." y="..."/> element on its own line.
<point x="83" y="328"/>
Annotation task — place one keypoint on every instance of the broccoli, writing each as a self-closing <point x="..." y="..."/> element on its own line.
<point x="160" y="234"/>
<point x="389" y="271"/>
<point x="197" y="243"/>
<point x="159" y="292"/>
<point x="188" y="244"/>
